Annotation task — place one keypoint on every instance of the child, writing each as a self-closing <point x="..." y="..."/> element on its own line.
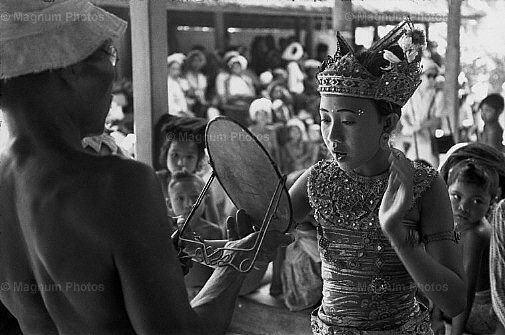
<point x="282" y="101"/>
<point x="177" y="103"/>
<point x="492" y="159"/>
<point x="183" y="148"/>
<point x="473" y="188"/>
<point x="384" y="223"/>
<point x="293" y="55"/>
<point x="490" y="108"/>
<point x="301" y="267"/>
<point x="260" y="113"/>
<point x="296" y="153"/>
<point x="196" y="81"/>
<point x="183" y="190"/>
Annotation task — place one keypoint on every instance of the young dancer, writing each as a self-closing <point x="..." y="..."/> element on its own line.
<point x="384" y="223"/>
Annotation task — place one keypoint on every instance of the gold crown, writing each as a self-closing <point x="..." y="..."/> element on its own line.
<point x="343" y="74"/>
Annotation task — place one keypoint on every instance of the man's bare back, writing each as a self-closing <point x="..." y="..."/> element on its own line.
<point x="69" y="227"/>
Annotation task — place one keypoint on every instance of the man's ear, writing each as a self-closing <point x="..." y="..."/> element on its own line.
<point x="390" y="121"/>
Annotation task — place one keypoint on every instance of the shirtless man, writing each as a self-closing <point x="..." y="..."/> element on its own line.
<point x="84" y="242"/>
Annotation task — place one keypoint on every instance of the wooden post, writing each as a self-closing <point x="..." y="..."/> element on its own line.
<point x="427" y="30"/>
<point x="452" y="66"/>
<point x="149" y="62"/>
<point x="342" y="21"/>
<point x="309" y="36"/>
<point x="219" y="31"/>
<point x="297" y="29"/>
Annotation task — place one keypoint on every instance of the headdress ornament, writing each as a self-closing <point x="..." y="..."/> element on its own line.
<point x="400" y="52"/>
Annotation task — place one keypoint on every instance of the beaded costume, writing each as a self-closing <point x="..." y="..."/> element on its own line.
<point x="366" y="286"/>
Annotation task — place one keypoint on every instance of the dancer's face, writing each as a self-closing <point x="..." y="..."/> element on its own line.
<point x="351" y="129"/>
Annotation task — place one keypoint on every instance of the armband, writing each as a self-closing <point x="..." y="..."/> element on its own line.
<point x="447" y="235"/>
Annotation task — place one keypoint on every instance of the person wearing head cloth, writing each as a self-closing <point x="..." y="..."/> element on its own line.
<point x="177" y="86"/>
<point x="478" y="216"/>
<point x="196" y="81"/>
<point x="85" y="246"/>
<point x="260" y="114"/>
<point x="422" y="114"/>
<point x="384" y="223"/>
<point x="238" y="86"/>
<point x="292" y="55"/>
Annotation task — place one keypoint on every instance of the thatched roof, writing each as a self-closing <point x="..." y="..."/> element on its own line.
<point x="365" y="12"/>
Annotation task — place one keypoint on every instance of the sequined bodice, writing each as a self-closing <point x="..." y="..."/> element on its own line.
<point x="365" y="284"/>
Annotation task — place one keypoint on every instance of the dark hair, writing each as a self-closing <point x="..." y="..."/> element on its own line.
<point x="386" y="107"/>
<point x="485" y="155"/>
<point x="494" y="100"/>
<point x="473" y="172"/>
<point x="185" y="175"/>
<point x="179" y="137"/>
<point x="172" y="128"/>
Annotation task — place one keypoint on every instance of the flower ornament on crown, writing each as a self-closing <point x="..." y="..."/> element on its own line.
<point x="395" y="79"/>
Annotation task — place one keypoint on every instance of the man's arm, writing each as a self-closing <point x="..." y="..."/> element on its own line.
<point x="150" y="274"/>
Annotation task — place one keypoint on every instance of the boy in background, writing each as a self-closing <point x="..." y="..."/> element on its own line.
<point x="183" y="191"/>
<point x="490" y="108"/>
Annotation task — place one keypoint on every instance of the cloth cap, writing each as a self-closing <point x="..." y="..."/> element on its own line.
<point x="293" y="52"/>
<point x="176" y="57"/>
<point x="295" y="122"/>
<point x="229" y="54"/>
<point x="36" y="36"/>
<point x="238" y="59"/>
<point x="261" y="104"/>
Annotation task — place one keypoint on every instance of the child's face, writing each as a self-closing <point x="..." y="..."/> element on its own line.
<point x="351" y="129"/>
<point x="277" y="93"/>
<point x="262" y="117"/>
<point x="236" y="68"/>
<point x="470" y="202"/>
<point x="174" y="70"/>
<point x="183" y="196"/>
<point x="488" y="113"/>
<point x="182" y="155"/>
<point x="197" y="63"/>
<point x="294" y="133"/>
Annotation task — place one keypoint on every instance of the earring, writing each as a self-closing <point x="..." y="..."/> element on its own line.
<point x="384" y="141"/>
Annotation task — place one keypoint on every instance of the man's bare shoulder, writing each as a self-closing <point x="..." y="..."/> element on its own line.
<point x="103" y="194"/>
<point x="121" y="177"/>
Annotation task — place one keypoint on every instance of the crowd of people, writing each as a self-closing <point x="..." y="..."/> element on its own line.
<point x="383" y="243"/>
